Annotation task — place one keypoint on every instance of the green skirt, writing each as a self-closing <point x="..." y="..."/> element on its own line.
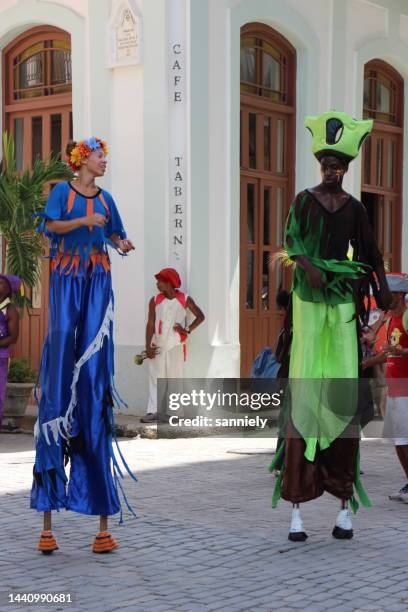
<point x="323" y="388"/>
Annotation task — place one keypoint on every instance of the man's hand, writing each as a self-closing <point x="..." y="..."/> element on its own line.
<point x="179" y="329"/>
<point x="151" y="352"/>
<point x="315" y="277"/>
<point x="395" y="350"/>
<point x="382" y="355"/>
<point x="369" y="336"/>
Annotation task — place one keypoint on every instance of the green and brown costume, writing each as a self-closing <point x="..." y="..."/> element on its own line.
<point x="321" y="451"/>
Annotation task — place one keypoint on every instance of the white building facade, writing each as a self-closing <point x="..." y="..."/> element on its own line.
<point x="160" y="81"/>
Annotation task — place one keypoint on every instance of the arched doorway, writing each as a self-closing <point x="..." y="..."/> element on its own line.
<point x="268" y="81"/>
<point x="382" y="157"/>
<point x="37" y="88"/>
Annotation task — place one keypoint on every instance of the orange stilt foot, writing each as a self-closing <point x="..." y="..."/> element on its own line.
<point x="104" y="543"/>
<point x="47" y="543"/>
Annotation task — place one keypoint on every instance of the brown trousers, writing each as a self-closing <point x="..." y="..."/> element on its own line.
<point x="333" y="470"/>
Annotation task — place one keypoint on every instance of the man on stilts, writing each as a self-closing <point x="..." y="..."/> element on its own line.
<point x="321" y="449"/>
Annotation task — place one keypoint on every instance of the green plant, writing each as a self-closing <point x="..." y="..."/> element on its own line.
<point x="22" y="196"/>
<point x="20" y="372"/>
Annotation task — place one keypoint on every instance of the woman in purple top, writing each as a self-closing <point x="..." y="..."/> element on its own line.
<point x="9" y="328"/>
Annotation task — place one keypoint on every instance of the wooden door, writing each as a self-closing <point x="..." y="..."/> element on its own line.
<point x="267" y="182"/>
<point x="38" y="113"/>
<point x="382" y="158"/>
<point x="262" y="214"/>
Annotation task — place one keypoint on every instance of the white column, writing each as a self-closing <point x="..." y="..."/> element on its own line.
<point x="178" y="149"/>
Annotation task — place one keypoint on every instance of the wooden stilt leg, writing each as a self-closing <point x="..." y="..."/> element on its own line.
<point x="47" y="543"/>
<point x="104" y="543"/>
<point x="47" y="521"/>
<point x="103" y="523"/>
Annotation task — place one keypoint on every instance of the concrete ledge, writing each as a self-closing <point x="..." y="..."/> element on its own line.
<point x="127" y="426"/>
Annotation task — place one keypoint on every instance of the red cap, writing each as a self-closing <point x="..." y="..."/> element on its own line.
<point x="169" y="275"/>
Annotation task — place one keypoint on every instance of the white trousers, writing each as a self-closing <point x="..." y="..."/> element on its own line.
<point x="396" y="420"/>
<point x="167" y="364"/>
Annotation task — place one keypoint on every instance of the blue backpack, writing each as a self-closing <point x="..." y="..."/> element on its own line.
<point x="265" y="365"/>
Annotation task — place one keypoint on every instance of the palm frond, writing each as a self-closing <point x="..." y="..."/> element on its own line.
<point x="8" y="162"/>
<point x="8" y="202"/>
<point x="22" y="256"/>
<point x="52" y="169"/>
<point x="22" y="195"/>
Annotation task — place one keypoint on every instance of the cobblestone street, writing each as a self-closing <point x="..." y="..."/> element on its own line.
<point x="206" y="537"/>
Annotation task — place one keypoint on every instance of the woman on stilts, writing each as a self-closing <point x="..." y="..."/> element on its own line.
<point x="75" y="418"/>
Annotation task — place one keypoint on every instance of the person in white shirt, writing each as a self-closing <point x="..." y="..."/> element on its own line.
<point x="167" y="332"/>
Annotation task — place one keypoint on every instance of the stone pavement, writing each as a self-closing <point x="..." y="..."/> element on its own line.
<point x="206" y="537"/>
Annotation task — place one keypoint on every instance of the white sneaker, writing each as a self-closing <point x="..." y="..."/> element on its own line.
<point x="402" y="495"/>
<point x="297" y="531"/>
<point x="343" y="529"/>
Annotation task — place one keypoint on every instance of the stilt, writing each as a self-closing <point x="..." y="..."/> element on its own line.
<point x="47" y="521"/>
<point x="103" y="523"/>
<point x="47" y="543"/>
<point x="103" y="542"/>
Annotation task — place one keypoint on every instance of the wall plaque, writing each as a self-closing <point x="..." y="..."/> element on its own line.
<point x="124" y="35"/>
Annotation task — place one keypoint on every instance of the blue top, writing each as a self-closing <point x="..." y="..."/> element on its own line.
<point x="83" y="240"/>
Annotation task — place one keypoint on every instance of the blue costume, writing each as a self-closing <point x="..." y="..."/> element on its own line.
<point x="75" y="418"/>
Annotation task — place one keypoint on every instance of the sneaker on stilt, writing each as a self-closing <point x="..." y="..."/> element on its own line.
<point x="343" y="529"/>
<point x="402" y="495"/>
<point x="47" y="543"/>
<point x="297" y="531"/>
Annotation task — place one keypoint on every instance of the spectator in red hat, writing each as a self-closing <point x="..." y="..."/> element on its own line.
<point x="167" y="332"/>
<point x="9" y="328"/>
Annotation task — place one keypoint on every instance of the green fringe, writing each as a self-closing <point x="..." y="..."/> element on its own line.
<point x="358" y="486"/>
<point x="276" y="495"/>
<point x="277" y="456"/>
<point x="278" y="484"/>
<point x="359" y="489"/>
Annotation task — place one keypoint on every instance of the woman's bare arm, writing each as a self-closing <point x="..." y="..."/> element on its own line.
<point x="63" y="227"/>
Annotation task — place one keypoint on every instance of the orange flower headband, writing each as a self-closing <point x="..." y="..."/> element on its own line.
<point x="83" y="149"/>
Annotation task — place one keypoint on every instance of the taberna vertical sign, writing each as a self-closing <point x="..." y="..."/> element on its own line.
<point x="177" y="121"/>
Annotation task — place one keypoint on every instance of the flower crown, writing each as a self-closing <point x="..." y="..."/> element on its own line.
<point x="83" y="149"/>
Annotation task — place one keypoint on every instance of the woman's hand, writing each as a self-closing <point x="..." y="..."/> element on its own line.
<point x="125" y="245"/>
<point x="96" y="219"/>
<point x="177" y="328"/>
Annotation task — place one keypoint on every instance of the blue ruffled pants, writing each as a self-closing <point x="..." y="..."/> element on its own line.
<point x="78" y="323"/>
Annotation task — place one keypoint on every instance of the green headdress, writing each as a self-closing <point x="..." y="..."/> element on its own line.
<point x="337" y="133"/>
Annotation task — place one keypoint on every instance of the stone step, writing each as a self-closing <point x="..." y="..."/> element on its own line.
<point x="129" y="426"/>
